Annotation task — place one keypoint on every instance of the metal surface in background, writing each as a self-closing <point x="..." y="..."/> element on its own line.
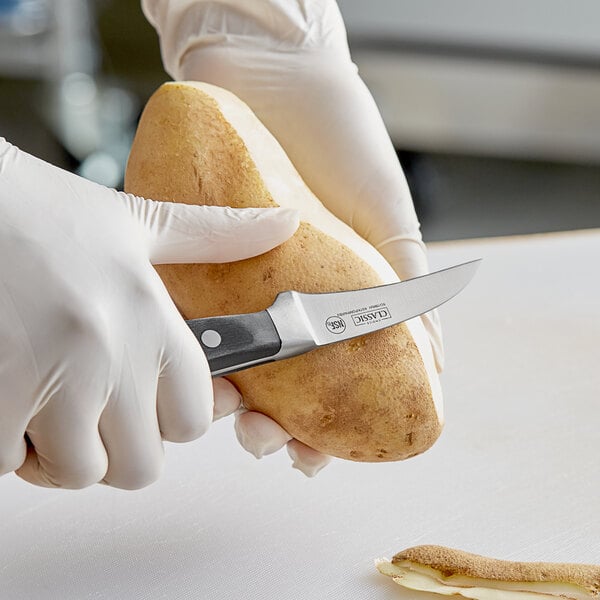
<point x="554" y="32"/>
<point x="511" y="79"/>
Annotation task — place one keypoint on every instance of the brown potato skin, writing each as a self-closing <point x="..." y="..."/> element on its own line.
<point x="366" y="399"/>
<point x="451" y="562"/>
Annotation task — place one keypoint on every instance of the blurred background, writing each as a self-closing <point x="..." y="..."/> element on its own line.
<point x="494" y="108"/>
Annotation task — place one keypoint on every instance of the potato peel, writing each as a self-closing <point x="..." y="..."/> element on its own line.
<point x="447" y="571"/>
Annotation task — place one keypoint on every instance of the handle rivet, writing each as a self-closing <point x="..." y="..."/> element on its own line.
<point x="210" y="338"/>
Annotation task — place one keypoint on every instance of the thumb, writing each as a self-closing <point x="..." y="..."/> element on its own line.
<point x="184" y="233"/>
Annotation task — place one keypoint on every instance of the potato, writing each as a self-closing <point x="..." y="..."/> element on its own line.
<point x="373" y="398"/>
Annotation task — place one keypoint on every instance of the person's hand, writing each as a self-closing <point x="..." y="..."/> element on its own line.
<point x="290" y="62"/>
<point x="97" y="367"/>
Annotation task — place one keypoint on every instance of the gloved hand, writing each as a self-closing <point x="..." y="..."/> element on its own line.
<point x="96" y="364"/>
<point x="290" y="62"/>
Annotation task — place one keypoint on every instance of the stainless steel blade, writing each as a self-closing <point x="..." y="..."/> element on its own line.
<point x="318" y="319"/>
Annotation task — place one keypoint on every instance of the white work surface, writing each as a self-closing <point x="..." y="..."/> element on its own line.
<point x="516" y="473"/>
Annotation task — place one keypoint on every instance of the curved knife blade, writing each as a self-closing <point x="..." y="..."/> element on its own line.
<point x="297" y="322"/>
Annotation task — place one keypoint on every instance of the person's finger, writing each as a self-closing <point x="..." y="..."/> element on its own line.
<point x="305" y="459"/>
<point x="129" y="428"/>
<point x="67" y="450"/>
<point x="258" y="434"/>
<point x="227" y="399"/>
<point x="183" y="233"/>
<point x="185" y="389"/>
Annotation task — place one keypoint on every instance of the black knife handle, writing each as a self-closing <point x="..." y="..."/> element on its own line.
<point x="230" y="342"/>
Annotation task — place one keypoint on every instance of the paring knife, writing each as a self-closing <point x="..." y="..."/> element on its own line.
<point x="297" y="323"/>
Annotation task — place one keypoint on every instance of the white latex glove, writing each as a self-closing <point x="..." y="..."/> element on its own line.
<point x="96" y="364"/>
<point x="290" y="62"/>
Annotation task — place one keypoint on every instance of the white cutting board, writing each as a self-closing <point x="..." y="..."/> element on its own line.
<point x="516" y="473"/>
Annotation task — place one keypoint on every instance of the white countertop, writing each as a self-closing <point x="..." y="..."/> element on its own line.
<point x="516" y="473"/>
